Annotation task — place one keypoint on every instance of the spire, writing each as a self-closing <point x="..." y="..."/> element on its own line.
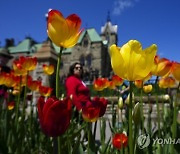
<point x="108" y="16"/>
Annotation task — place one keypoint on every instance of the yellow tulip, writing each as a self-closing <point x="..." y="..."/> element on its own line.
<point x="64" y="32"/>
<point x="48" y="69"/>
<point x="147" y="88"/>
<point x="131" y="62"/>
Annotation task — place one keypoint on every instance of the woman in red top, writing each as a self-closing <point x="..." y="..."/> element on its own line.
<point x="75" y="87"/>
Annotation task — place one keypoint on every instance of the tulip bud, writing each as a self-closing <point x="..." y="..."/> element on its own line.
<point x="166" y="97"/>
<point x="137" y="113"/>
<point x="128" y="99"/>
<point x="120" y="103"/>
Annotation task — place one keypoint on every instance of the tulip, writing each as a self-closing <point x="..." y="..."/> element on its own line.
<point x="54" y="115"/>
<point x="112" y="85"/>
<point x="147" y="88"/>
<point x="120" y="103"/>
<point x="22" y="65"/>
<point x="137" y="113"/>
<point x="166" y="97"/>
<point x="48" y="69"/>
<point x="117" y="80"/>
<point x="176" y="70"/>
<point x="28" y="63"/>
<point x="120" y="140"/>
<point x="161" y="67"/>
<point x="34" y="85"/>
<point x="102" y="104"/>
<point x="94" y="109"/>
<point x="100" y="84"/>
<point x="90" y="112"/>
<point x="10" y="105"/>
<point x="45" y="91"/>
<point x="130" y="62"/>
<point x="64" y="32"/>
<point x="139" y="83"/>
<point x="168" y="82"/>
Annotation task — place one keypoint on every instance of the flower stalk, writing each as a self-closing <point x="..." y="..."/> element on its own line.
<point x="130" y="120"/>
<point x="58" y="73"/>
<point x="174" y="125"/>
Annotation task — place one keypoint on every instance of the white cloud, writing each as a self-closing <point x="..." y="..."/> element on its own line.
<point x="121" y="5"/>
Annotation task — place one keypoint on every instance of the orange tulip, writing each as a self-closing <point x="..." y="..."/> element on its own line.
<point x="11" y="80"/>
<point x="176" y="70"/>
<point x="117" y="80"/>
<point x="167" y="82"/>
<point x="45" y="91"/>
<point x="48" y="69"/>
<point x="18" y="68"/>
<point x="100" y="84"/>
<point x="34" y="85"/>
<point x="28" y="63"/>
<point x="64" y="32"/>
<point x="111" y="85"/>
<point x="24" y="64"/>
<point x="161" y="66"/>
<point x="139" y="83"/>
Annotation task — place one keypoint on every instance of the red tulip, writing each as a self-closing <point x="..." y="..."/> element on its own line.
<point x="95" y="109"/>
<point x="54" y="115"/>
<point x="102" y="104"/>
<point x="120" y="140"/>
<point x="90" y="112"/>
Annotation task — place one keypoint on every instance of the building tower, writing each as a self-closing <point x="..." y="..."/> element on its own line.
<point x="109" y="36"/>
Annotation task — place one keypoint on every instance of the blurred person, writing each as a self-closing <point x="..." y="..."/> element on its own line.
<point x="75" y="87"/>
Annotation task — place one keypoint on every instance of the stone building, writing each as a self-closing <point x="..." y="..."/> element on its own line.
<point x="92" y="50"/>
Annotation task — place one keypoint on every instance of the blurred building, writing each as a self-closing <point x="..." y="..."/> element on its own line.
<point x="92" y="50"/>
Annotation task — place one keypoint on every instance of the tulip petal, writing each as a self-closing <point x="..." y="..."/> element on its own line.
<point x="116" y="60"/>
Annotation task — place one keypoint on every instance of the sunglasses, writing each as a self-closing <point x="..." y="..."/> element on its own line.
<point x="78" y="68"/>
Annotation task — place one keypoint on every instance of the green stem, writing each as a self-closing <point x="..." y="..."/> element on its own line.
<point x="17" y="104"/>
<point x="58" y="73"/>
<point x="174" y="125"/>
<point x="142" y="111"/>
<point x="24" y="99"/>
<point x="130" y="120"/>
<point x="158" y="111"/>
<point x="57" y="90"/>
<point x="59" y="145"/>
<point x="95" y="127"/>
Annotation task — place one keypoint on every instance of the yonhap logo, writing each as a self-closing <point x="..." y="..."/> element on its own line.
<point x="143" y="141"/>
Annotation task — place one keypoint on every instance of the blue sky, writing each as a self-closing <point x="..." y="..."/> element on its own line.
<point x="148" y="21"/>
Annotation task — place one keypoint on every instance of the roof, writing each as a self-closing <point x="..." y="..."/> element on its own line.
<point x="4" y="52"/>
<point x="65" y="51"/>
<point x="24" y="46"/>
<point x="93" y="35"/>
<point x="113" y="28"/>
